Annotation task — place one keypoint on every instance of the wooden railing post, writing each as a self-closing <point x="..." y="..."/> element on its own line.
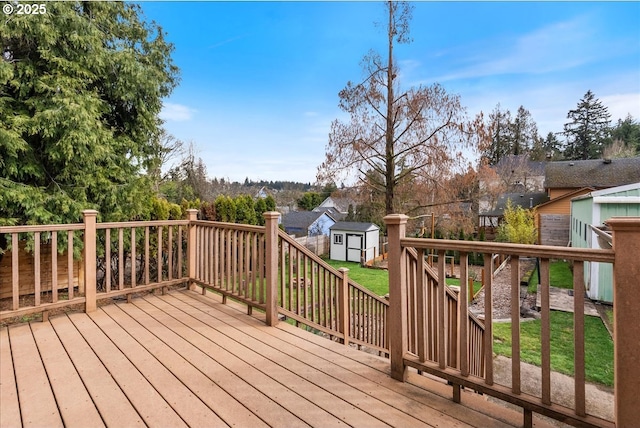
<point x="343" y="305"/>
<point x="192" y="215"/>
<point x="89" y="259"/>
<point x="396" y="226"/>
<point x="626" y="312"/>
<point x="271" y="264"/>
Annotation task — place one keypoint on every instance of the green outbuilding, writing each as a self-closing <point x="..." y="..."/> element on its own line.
<point x="594" y="209"/>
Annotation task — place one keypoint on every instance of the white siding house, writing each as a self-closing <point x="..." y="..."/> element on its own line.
<point x="351" y="240"/>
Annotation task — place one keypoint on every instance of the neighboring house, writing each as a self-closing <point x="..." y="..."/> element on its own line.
<point x="352" y="240"/>
<point x="341" y="205"/>
<point x="333" y="213"/>
<point x="567" y="176"/>
<point x="554" y="217"/>
<point x="594" y="209"/>
<point x="519" y="174"/>
<point x="307" y="223"/>
<point x="493" y="217"/>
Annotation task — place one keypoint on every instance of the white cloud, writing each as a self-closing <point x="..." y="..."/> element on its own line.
<point x="621" y="105"/>
<point x="176" y="112"/>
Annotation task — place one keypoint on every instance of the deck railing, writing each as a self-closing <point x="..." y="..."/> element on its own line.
<point x="421" y="312"/>
<point x="424" y="326"/>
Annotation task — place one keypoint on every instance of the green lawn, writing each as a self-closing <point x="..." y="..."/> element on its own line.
<point x="598" y="345"/>
<point x="477" y="285"/>
<point x="376" y="280"/>
<point x="560" y="275"/>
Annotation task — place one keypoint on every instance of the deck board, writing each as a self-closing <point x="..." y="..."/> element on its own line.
<point x="74" y="402"/>
<point x="9" y="404"/>
<point x="188" y="360"/>
<point x="37" y="402"/>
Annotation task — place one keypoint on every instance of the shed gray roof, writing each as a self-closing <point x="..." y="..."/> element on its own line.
<point x="354" y="226"/>
<point x="592" y="173"/>
<point x="525" y="200"/>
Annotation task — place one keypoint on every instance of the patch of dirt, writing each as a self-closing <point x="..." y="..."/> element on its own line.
<point x="501" y="293"/>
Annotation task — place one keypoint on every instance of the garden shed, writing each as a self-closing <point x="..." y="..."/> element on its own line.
<point x="352" y="240"/>
<point x="594" y="209"/>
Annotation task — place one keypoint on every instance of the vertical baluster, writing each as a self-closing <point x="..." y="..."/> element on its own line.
<point x="146" y="255"/>
<point x="578" y="331"/>
<point x="15" y="278"/>
<point x="180" y="257"/>
<point x="170" y="253"/>
<point x="54" y="266"/>
<point x="70" y="264"/>
<point x="159" y="255"/>
<point x="463" y="314"/>
<point x="133" y="257"/>
<point x="545" y="331"/>
<point x="120" y="259"/>
<point x="422" y="308"/>
<point x="488" y="319"/>
<point x="440" y="304"/>
<point x="36" y="266"/>
<point x="515" y="324"/>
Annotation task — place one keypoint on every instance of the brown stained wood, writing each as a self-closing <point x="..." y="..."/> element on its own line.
<point x="146" y="255"/>
<point x="441" y="302"/>
<point x="421" y="307"/>
<point x="36" y="267"/>
<point x="9" y="405"/>
<point x="578" y="336"/>
<point x="70" y="268"/>
<point x="356" y="369"/>
<point x="145" y="399"/>
<point x="515" y="324"/>
<point x="37" y="402"/>
<point x="233" y="375"/>
<point x="463" y="314"/>
<point x="112" y="404"/>
<point x="107" y="258"/>
<point x="120" y="258"/>
<point x="133" y="257"/>
<point x="170" y="253"/>
<point x="328" y="393"/>
<point x="15" y="284"/>
<point x="177" y="355"/>
<point x="159" y="255"/>
<point x="54" y="266"/>
<point x="74" y="403"/>
<point x="545" y="327"/>
<point x="184" y="402"/>
<point x="488" y="320"/>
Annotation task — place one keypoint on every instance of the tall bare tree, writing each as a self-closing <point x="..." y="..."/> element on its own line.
<point x="392" y="133"/>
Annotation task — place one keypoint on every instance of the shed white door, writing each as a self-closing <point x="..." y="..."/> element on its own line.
<point x="354" y="246"/>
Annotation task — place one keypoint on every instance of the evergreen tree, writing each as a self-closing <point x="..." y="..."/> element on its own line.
<point x="81" y="87"/>
<point x="588" y="128"/>
<point x="628" y="132"/>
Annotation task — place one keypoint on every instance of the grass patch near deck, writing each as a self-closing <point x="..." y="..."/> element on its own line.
<point x="376" y="280"/>
<point x="598" y="345"/>
<point x="560" y="275"/>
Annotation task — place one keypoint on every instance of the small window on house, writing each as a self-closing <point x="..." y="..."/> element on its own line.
<point x="337" y="239"/>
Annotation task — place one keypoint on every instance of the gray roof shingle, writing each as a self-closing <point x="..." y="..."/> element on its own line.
<point x="592" y="173"/>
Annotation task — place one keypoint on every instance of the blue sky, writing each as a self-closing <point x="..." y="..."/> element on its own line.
<point x="260" y="80"/>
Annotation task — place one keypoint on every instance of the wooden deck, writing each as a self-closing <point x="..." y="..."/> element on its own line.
<point x="183" y="359"/>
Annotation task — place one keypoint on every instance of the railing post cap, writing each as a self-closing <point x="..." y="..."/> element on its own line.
<point x="343" y="270"/>
<point x="393" y="219"/>
<point x="271" y="214"/>
<point x="89" y="213"/>
<point x="192" y="210"/>
<point x="624" y="223"/>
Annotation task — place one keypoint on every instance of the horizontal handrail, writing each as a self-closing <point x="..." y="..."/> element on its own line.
<point x="542" y="251"/>
<point x="41" y="228"/>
